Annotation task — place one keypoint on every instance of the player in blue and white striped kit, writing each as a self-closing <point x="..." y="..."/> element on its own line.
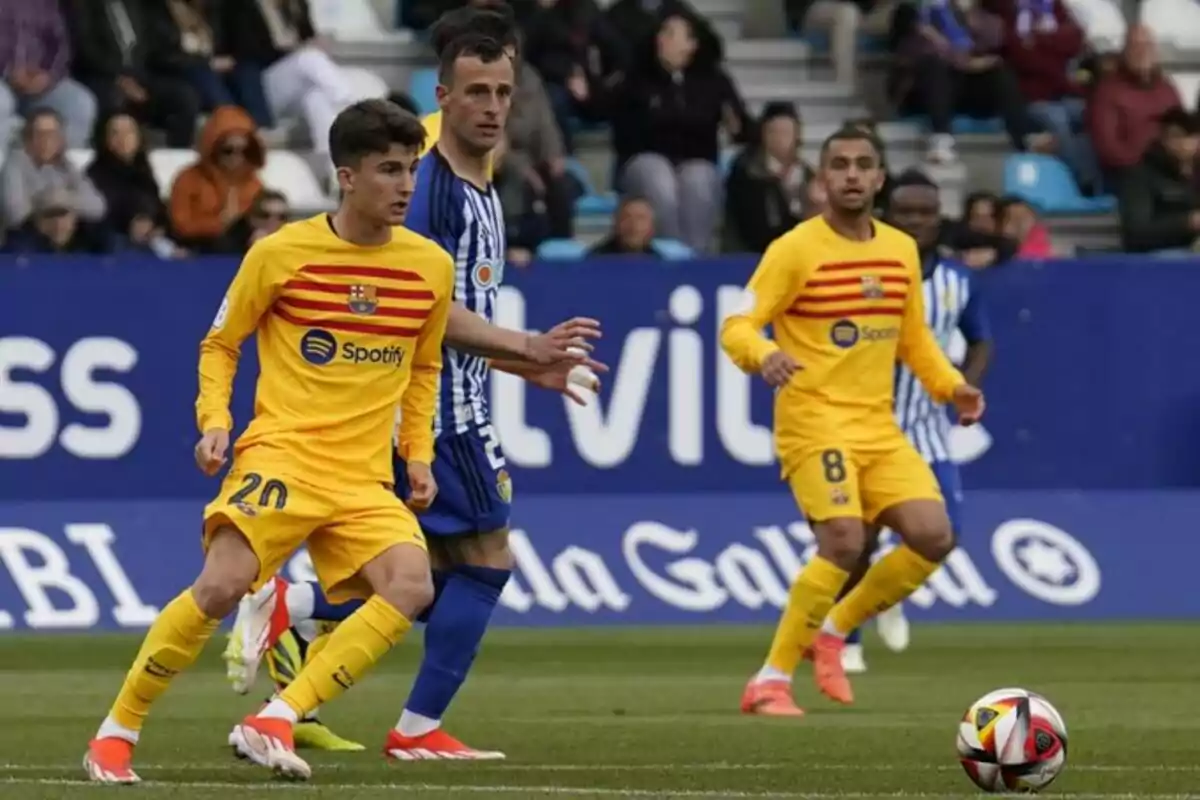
<point x="952" y="305"/>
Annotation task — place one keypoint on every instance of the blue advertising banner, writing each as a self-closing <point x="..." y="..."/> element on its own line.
<point x="1093" y="386"/>
<point x="647" y="558"/>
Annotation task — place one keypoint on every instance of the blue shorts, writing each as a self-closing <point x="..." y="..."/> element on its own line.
<point x="950" y="481"/>
<point x="474" y="488"/>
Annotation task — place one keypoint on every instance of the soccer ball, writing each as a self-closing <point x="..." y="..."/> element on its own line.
<point x="1012" y="740"/>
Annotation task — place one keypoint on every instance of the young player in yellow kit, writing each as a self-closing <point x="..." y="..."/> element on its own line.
<point x="842" y="293"/>
<point x="350" y="314"/>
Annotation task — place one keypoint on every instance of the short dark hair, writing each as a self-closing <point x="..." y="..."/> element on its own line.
<point x="779" y="108"/>
<point x="496" y="22"/>
<point x="372" y="126"/>
<point x="852" y="133"/>
<point x="40" y="111"/>
<point x="914" y="177"/>
<point x="470" y="45"/>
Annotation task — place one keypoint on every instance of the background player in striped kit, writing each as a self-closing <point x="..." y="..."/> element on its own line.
<point x="952" y="304"/>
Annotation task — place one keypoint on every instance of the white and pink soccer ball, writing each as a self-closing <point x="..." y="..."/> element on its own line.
<point x="1012" y="740"/>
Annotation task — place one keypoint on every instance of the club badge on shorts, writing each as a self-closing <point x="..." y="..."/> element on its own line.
<point x="504" y="486"/>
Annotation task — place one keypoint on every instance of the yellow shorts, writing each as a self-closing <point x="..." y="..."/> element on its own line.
<point x="344" y="527"/>
<point x="838" y="480"/>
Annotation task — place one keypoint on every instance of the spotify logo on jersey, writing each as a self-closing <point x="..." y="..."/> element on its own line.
<point x="318" y="347"/>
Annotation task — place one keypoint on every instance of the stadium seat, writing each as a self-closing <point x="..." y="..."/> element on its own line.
<point x="561" y="250"/>
<point x="289" y="173"/>
<point x="673" y="249"/>
<point x="1188" y="86"/>
<point x="363" y="83"/>
<point x="1103" y="23"/>
<point x="819" y="42"/>
<point x="348" y="20"/>
<point x="166" y="164"/>
<point x="592" y="202"/>
<point x="1174" y="22"/>
<point x="1047" y="184"/>
<point x="422" y="87"/>
<point x="961" y="125"/>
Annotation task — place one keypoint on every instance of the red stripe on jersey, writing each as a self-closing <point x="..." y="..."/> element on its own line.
<point x="838" y="266"/>
<point x="344" y="288"/>
<point x="846" y="312"/>
<point x="380" y="311"/>
<point x="349" y="327"/>
<point x="813" y="284"/>
<point x="362" y="272"/>
<point x="839" y="298"/>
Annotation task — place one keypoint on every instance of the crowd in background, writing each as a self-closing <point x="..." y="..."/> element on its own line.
<point x="220" y="75"/>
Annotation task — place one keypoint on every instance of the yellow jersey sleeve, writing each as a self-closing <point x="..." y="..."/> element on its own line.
<point x="917" y="346"/>
<point x="419" y="402"/>
<point x="771" y="289"/>
<point x="249" y="296"/>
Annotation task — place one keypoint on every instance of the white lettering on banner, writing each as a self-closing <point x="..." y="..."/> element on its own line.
<point x="605" y="431"/>
<point x="1046" y="562"/>
<point x="80" y="388"/>
<point x="694" y="588"/>
<point x="542" y="589"/>
<point x="48" y="569"/>
<point x="97" y="539"/>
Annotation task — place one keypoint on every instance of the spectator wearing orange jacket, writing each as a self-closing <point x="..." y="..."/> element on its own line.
<point x="210" y="197"/>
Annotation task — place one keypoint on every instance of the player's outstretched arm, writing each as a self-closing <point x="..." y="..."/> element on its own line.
<point x="249" y="296"/>
<point x="419" y="402"/>
<point x="569" y="341"/>
<point x="771" y="289"/>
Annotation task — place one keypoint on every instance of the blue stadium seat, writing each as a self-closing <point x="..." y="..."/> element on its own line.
<point x="592" y="203"/>
<point x="422" y="86"/>
<point x="673" y="249"/>
<point x="561" y="250"/>
<point x="961" y="125"/>
<point x="1047" y="184"/>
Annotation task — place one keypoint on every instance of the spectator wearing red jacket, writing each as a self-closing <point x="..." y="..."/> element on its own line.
<point x="1127" y="105"/>
<point x="1042" y="44"/>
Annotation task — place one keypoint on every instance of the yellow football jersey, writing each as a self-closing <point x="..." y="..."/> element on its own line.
<point x="345" y="334"/>
<point x="845" y="311"/>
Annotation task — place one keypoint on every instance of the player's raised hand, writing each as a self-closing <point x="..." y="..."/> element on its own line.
<point x="568" y="378"/>
<point x="778" y="368"/>
<point x="969" y="403"/>
<point x="422" y="487"/>
<point x="567" y="341"/>
<point x="211" y="450"/>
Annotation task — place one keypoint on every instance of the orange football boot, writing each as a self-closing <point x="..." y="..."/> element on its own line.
<point x="437" y="745"/>
<point x="828" y="673"/>
<point x="770" y="699"/>
<point x="108" y="760"/>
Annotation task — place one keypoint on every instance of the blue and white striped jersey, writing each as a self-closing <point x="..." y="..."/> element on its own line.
<point x="469" y="225"/>
<point x="952" y="304"/>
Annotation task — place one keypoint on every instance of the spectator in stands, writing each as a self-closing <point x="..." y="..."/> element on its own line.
<point x="666" y="127"/>
<point x="1160" y="197"/>
<point x="145" y="233"/>
<point x="535" y="152"/>
<point x="120" y="58"/>
<point x="764" y="194"/>
<point x="579" y="56"/>
<point x="948" y="61"/>
<point x="976" y="238"/>
<point x="1126" y="106"/>
<point x="268" y="213"/>
<point x="39" y="162"/>
<point x="840" y="21"/>
<point x="35" y="54"/>
<point x="54" y="227"/>
<point x="1042" y="45"/>
<point x="277" y="38"/>
<point x="121" y="172"/>
<point x="633" y="230"/>
<point x="210" y="197"/>
<point x="526" y="216"/>
<point x="1019" y="224"/>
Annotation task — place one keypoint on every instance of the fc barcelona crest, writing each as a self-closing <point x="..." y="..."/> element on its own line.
<point x="363" y="299"/>
<point x="872" y="287"/>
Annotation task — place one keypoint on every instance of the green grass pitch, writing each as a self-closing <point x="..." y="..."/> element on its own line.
<point x="609" y="713"/>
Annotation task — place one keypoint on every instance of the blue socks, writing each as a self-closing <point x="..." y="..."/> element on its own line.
<point x="454" y="628"/>
<point x="855" y="636"/>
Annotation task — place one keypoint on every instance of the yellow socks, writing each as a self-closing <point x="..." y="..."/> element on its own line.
<point x="352" y="649"/>
<point x="811" y="597"/>
<point x="171" y="645"/>
<point x="888" y="581"/>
